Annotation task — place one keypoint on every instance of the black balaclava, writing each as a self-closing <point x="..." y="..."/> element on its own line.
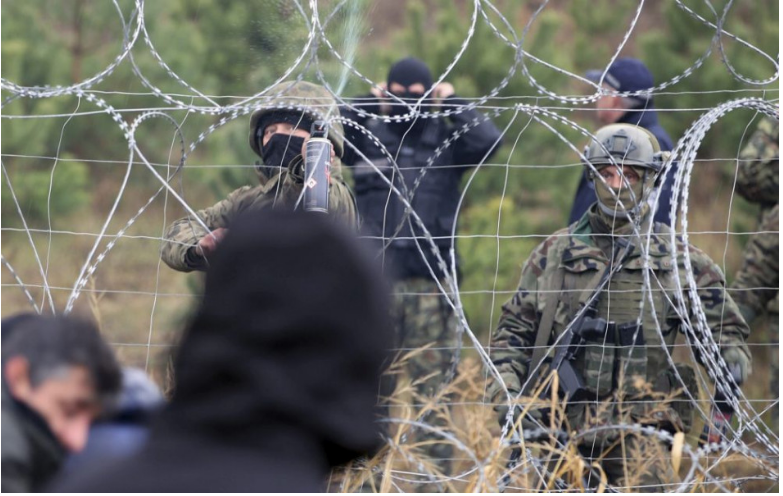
<point x="282" y="148"/>
<point x="410" y="71"/>
<point x="286" y="349"/>
<point x="407" y="72"/>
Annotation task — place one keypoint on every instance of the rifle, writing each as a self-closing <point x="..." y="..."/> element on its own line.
<point x="587" y="325"/>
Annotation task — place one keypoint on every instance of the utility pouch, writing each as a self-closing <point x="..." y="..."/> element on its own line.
<point x="599" y="356"/>
<point x="632" y="354"/>
<point x="680" y="405"/>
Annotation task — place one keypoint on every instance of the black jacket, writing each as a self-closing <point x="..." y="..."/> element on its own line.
<point x="648" y="119"/>
<point x="31" y="454"/>
<point x="277" y="375"/>
<point x="434" y="198"/>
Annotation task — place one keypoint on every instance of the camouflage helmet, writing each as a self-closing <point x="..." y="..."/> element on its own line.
<point x="297" y="97"/>
<point x="625" y="144"/>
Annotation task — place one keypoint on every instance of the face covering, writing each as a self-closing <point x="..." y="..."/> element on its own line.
<point x="613" y="204"/>
<point x="279" y="151"/>
<point x="408" y="72"/>
<point x="410" y="99"/>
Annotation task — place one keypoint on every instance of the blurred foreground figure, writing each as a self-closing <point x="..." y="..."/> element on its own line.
<point x="123" y="429"/>
<point x="58" y="375"/>
<point x="277" y="375"/>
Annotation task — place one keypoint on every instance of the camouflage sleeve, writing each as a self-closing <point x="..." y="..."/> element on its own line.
<point x="723" y="316"/>
<point x="186" y="232"/>
<point x="343" y="204"/>
<point x="282" y="190"/>
<point x="758" y="279"/>
<point x="757" y="173"/>
<point x="512" y="341"/>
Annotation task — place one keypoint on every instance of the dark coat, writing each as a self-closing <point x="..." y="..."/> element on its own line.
<point x="31" y="455"/>
<point x="437" y="195"/>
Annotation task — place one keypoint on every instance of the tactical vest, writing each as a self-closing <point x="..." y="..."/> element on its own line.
<point x="434" y="200"/>
<point x="626" y="357"/>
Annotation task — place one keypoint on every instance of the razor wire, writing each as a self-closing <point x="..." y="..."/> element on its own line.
<point x="700" y="338"/>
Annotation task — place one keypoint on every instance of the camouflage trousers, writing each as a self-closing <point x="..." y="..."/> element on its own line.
<point x="774" y="367"/>
<point x="423" y="318"/>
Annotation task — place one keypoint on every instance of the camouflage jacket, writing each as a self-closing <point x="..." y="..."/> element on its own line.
<point x="282" y="190"/>
<point x="572" y="256"/>
<point x="758" y="280"/>
<point x="757" y="173"/>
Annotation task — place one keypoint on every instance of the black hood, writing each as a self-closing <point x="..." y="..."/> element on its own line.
<point x="410" y="71"/>
<point x="291" y="336"/>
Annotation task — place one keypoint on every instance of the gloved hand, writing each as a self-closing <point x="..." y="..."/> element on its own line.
<point x="532" y="420"/>
<point x="501" y="410"/>
<point x="738" y="362"/>
<point x="528" y="421"/>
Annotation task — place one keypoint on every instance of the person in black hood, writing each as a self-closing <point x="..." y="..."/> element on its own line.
<point x="408" y="80"/>
<point x="277" y="375"/>
<point x="431" y="155"/>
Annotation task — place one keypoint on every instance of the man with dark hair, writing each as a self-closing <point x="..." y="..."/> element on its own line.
<point x="627" y="75"/>
<point x="123" y="429"/>
<point x="58" y="375"/>
<point x="277" y="375"/>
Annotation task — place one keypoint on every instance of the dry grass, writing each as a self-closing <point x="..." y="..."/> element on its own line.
<point x="480" y="459"/>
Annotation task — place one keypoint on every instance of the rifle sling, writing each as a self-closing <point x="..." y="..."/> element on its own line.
<point x="550" y="308"/>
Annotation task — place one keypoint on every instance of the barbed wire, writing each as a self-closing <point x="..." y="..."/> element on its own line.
<point x="546" y="109"/>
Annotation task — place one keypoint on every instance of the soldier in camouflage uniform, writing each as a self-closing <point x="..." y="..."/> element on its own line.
<point x="278" y="133"/>
<point x="757" y="175"/>
<point x="756" y="285"/>
<point x="624" y="367"/>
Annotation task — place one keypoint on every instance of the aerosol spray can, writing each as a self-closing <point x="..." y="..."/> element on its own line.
<point x="318" y="158"/>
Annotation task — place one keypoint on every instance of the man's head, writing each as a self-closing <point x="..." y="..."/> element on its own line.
<point x="409" y="78"/>
<point x="279" y="130"/>
<point x="293" y="330"/>
<point x="63" y="370"/>
<point x="282" y="136"/>
<point x="624" y="75"/>
<point x="628" y="159"/>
